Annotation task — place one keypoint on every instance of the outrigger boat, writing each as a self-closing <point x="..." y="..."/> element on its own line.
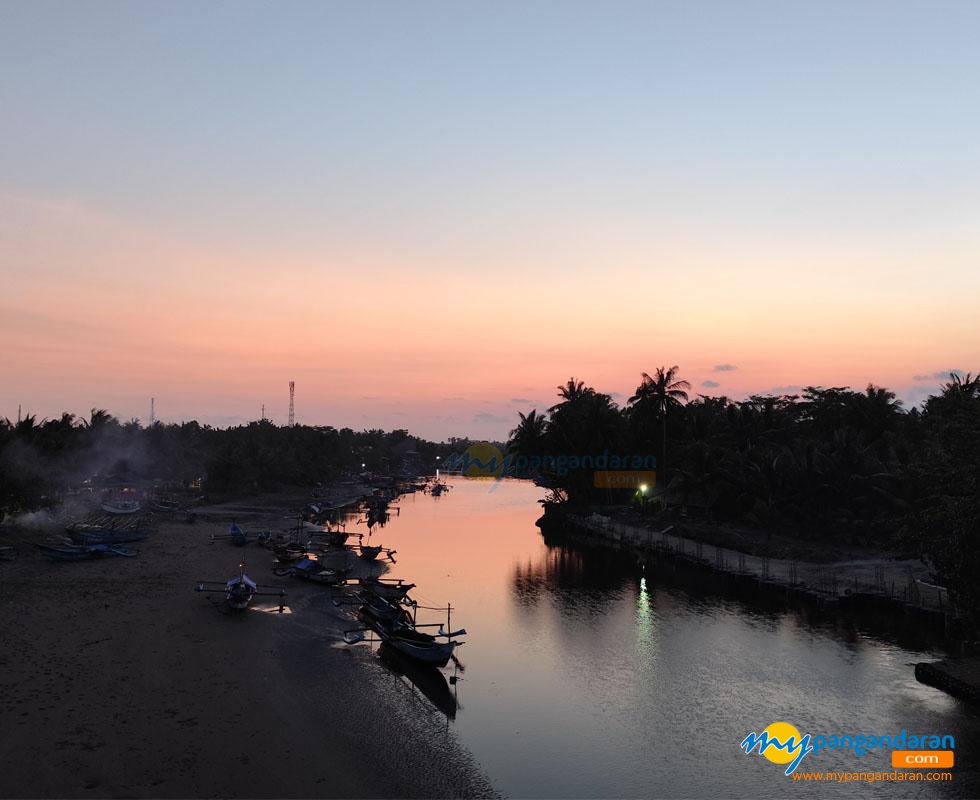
<point x="236" y="535"/>
<point x="90" y="535"/>
<point x="309" y="570"/>
<point x="405" y="637"/>
<point x="120" y="506"/>
<point x="240" y="590"/>
<point x="83" y="552"/>
<point x="386" y="588"/>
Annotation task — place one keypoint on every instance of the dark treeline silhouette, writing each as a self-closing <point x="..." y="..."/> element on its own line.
<point x="829" y="463"/>
<point x="39" y="460"/>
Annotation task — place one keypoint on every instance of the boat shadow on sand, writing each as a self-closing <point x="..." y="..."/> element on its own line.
<point x="430" y="681"/>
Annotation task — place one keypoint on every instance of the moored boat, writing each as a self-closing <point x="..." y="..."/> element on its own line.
<point x="121" y="506"/>
<point x="83" y="552"/>
<point x="240" y="590"/>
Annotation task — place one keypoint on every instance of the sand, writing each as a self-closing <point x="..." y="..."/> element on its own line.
<point x="118" y="680"/>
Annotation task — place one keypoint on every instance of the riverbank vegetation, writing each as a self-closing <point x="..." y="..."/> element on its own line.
<point x="42" y="459"/>
<point x="828" y="464"/>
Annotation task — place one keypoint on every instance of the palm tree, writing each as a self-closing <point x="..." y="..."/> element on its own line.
<point x="658" y="394"/>
<point x="526" y="439"/>
<point x="570" y="392"/>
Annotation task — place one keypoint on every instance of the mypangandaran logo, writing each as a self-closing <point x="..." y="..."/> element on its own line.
<point x="782" y="743"/>
<point x="484" y="460"/>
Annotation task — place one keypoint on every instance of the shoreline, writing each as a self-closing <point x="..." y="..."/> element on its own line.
<point x="868" y="587"/>
<point x="118" y="680"/>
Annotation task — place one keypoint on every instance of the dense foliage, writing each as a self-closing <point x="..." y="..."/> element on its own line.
<point x="40" y="460"/>
<point x="828" y="462"/>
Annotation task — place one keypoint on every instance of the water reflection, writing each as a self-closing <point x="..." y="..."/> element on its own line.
<point x="590" y="674"/>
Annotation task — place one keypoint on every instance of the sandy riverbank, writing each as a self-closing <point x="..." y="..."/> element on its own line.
<point x="117" y="680"/>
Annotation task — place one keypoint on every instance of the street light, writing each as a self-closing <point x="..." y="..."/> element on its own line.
<point x="643" y="488"/>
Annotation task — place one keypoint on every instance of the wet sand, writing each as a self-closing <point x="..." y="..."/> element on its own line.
<point x="118" y="680"/>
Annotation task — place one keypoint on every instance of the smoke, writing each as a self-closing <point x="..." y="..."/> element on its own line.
<point x="34" y="520"/>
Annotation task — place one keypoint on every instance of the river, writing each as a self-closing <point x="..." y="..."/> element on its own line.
<point x="585" y="677"/>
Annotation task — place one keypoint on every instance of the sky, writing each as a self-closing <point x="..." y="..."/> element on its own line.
<point x="429" y="215"/>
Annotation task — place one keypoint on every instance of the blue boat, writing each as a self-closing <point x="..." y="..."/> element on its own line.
<point x="84" y="552"/>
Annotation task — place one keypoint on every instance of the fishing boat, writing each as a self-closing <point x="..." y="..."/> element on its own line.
<point x="236" y="535"/>
<point x="288" y="553"/>
<point x="91" y="535"/>
<point x="240" y="590"/>
<point x="388" y="589"/>
<point x="83" y="552"/>
<point x="309" y="570"/>
<point x="370" y="552"/>
<point x="381" y="610"/>
<point x="164" y="506"/>
<point x="405" y="637"/>
<point x="121" y="506"/>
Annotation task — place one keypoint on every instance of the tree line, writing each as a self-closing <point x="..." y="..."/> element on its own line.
<point x="41" y="459"/>
<point x="827" y="462"/>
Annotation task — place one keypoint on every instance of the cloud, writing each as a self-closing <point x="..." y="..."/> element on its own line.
<point x="710" y="384"/>
<point x="520" y="401"/>
<point x="724" y="368"/>
<point x="783" y="390"/>
<point x="939" y="375"/>
<point x="487" y="417"/>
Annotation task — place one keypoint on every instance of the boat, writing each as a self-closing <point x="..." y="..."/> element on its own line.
<point x="90" y="535"/>
<point x="335" y="538"/>
<point x="405" y="637"/>
<point x="370" y="552"/>
<point x="83" y="552"/>
<point x="309" y="570"/>
<point x="236" y="535"/>
<point x="121" y="506"/>
<point x="164" y="506"/>
<point x="421" y="647"/>
<point x="287" y="553"/>
<point x="381" y="610"/>
<point x="388" y="589"/>
<point x="240" y="590"/>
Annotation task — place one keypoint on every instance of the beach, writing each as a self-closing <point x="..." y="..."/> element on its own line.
<point x="118" y="680"/>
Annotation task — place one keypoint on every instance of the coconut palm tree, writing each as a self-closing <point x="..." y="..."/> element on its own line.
<point x="528" y="437"/>
<point x="656" y="395"/>
<point x="571" y="391"/>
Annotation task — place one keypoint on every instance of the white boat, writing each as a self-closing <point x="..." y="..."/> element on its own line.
<point x="240" y="590"/>
<point x="121" y="506"/>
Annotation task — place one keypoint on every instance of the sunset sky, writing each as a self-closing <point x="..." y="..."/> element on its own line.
<point x="428" y="215"/>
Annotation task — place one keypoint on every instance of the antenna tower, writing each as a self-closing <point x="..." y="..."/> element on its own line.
<point x="152" y="411"/>
<point x="292" y="406"/>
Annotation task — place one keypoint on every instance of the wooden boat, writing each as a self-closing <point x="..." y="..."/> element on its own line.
<point x="288" y="553"/>
<point x="394" y="589"/>
<point x="236" y="535"/>
<point x="164" y="506"/>
<point x="370" y="552"/>
<point x="380" y="610"/>
<point x="83" y="552"/>
<point x="407" y="639"/>
<point x="309" y="570"/>
<point x="421" y="647"/>
<point x="120" y="506"/>
<point x="89" y="535"/>
<point x="240" y="590"/>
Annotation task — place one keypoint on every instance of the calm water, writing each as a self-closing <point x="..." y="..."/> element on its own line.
<point x="585" y="678"/>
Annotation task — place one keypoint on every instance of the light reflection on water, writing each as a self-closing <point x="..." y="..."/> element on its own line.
<point x="586" y="677"/>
